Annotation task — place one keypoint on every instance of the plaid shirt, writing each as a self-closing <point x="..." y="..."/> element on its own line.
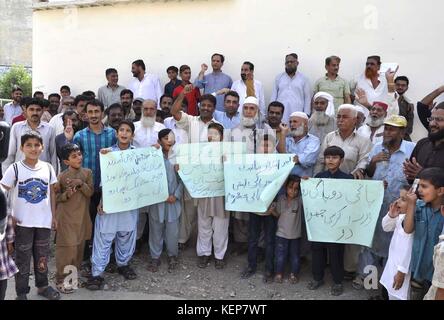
<point x="90" y="144"/>
<point x="7" y="264"/>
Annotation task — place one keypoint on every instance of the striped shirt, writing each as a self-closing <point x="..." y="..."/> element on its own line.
<point x="90" y="144"/>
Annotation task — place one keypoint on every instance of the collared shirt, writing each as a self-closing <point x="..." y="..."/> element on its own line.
<point x="438" y="274"/>
<point x="380" y="93"/>
<point x="49" y="153"/>
<point x="321" y="131"/>
<point x="12" y="110"/>
<point x="170" y="86"/>
<point x="197" y="129"/>
<point x="90" y="143"/>
<point x="226" y="121"/>
<point x="337" y="87"/>
<point x="240" y="87"/>
<point x="366" y="131"/>
<point x="109" y="95"/>
<point x="148" y="88"/>
<point x="213" y="82"/>
<point x="146" y="137"/>
<point x="327" y="174"/>
<point x="428" y="227"/>
<point x="307" y="150"/>
<point x="57" y="123"/>
<point x="356" y="149"/>
<point x="289" y="225"/>
<point x="428" y="155"/>
<point x="294" y="93"/>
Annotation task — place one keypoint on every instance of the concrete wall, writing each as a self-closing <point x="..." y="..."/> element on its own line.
<point x="16" y="32"/>
<point x="75" y="45"/>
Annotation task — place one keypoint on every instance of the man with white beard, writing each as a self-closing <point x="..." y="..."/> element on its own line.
<point x="321" y="123"/>
<point x="251" y="129"/>
<point x="146" y="135"/>
<point x="373" y="129"/>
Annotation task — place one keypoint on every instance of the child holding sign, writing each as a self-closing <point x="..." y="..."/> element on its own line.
<point x="333" y="157"/>
<point x="288" y="236"/>
<point x="396" y="276"/>
<point x="74" y="190"/>
<point x="120" y="227"/>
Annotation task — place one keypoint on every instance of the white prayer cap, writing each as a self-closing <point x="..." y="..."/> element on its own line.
<point x="330" y="107"/>
<point x="351" y="107"/>
<point x="299" y="114"/>
<point x="251" y="100"/>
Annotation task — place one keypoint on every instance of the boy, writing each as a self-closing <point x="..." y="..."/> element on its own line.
<point x="74" y="190"/>
<point x="33" y="209"/>
<point x="172" y="72"/>
<point x="333" y="158"/>
<point x="120" y="227"/>
<point x="164" y="216"/>
<point x="425" y="220"/>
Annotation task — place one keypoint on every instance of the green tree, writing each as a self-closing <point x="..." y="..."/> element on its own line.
<point x="16" y="76"/>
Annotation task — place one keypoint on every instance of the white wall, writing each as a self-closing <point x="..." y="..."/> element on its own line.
<point x="75" y="46"/>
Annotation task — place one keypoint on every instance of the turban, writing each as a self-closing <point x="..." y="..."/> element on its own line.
<point x="330" y="107"/>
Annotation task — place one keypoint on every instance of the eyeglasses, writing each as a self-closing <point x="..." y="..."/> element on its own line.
<point x="437" y="119"/>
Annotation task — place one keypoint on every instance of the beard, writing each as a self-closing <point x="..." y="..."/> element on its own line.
<point x="375" y="122"/>
<point x="290" y="70"/>
<point x="243" y="76"/>
<point x="436" y="136"/>
<point x="370" y="73"/>
<point x="299" y="131"/>
<point x="320" y="118"/>
<point x="148" y="122"/>
<point x="249" y="122"/>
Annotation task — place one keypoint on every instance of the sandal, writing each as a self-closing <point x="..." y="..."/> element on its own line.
<point x="219" y="263"/>
<point x="95" y="283"/>
<point x="49" y="293"/>
<point x="64" y="289"/>
<point x="154" y="264"/>
<point x="172" y="263"/>
<point x="127" y="272"/>
<point x="203" y="261"/>
<point x="278" y="278"/>
<point x="293" y="278"/>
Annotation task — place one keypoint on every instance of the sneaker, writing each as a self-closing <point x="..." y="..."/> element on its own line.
<point x="336" y="289"/>
<point x="247" y="273"/>
<point x="219" y="264"/>
<point x="203" y="261"/>
<point x="313" y="284"/>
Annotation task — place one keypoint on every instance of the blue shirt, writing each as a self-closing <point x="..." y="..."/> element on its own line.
<point x="307" y="150"/>
<point x="213" y="82"/>
<point x="90" y="144"/>
<point x="428" y="227"/>
<point x="227" y="122"/>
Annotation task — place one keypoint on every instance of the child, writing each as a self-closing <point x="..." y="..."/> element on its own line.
<point x="436" y="291"/>
<point x="7" y="264"/>
<point x="74" y="190"/>
<point x="425" y="220"/>
<point x="288" y="236"/>
<point x="333" y="157"/>
<point x="164" y="216"/>
<point x="120" y="227"/>
<point x="396" y="276"/>
<point x="212" y="219"/>
<point x="33" y="208"/>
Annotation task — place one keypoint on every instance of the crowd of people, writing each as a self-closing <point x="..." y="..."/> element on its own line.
<point x="337" y="129"/>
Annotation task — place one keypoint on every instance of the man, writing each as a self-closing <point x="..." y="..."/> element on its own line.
<point x="79" y="106"/>
<point x="137" y="109"/>
<point x="356" y="149"/>
<point x="374" y="127"/>
<point x="371" y="86"/>
<point x="296" y="139"/>
<point x="34" y="111"/>
<point x="72" y="124"/>
<point x="214" y="81"/>
<point x="333" y="84"/>
<point x="172" y="72"/>
<point x="65" y="91"/>
<point x="292" y="88"/>
<point x="320" y="123"/>
<point x="90" y="140"/>
<point x="180" y="134"/>
<point x="429" y="152"/>
<point x="166" y="102"/>
<point x="405" y="105"/>
<point x="360" y="119"/>
<point x="196" y="128"/>
<point x="144" y="85"/>
<point x="56" y="121"/>
<point x="275" y="113"/>
<point x="54" y="103"/>
<point x="193" y="96"/>
<point x="114" y="115"/>
<point x="110" y="93"/>
<point x="147" y="129"/>
<point x="426" y="105"/>
<point x="230" y="117"/>
<point x="14" y="108"/>
<point x="248" y="87"/>
<point x="38" y="95"/>
<point x="126" y="100"/>
<point x="385" y="163"/>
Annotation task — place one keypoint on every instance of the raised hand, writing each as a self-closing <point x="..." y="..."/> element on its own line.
<point x="69" y="131"/>
<point x="188" y="89"/>
<point x="203" y="67"/>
